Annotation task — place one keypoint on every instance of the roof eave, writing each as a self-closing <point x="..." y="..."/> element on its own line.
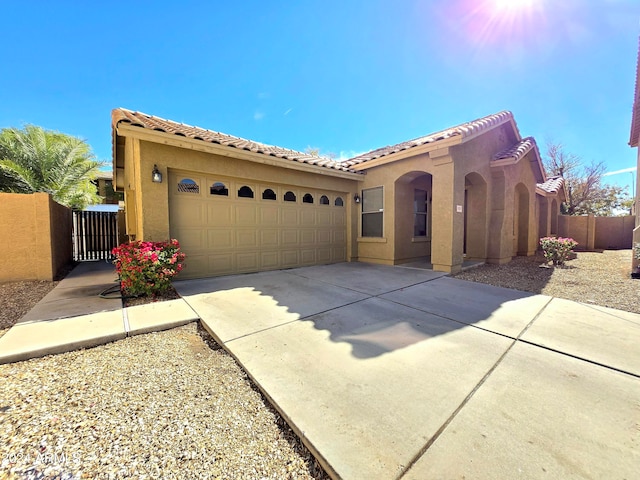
<point x="124" y="129"/>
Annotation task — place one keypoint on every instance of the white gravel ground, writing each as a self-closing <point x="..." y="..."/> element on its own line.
<point x="163" y="405"/>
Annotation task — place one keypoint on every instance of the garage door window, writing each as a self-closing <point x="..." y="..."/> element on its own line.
<point x="289" y="197"/>
<point x="308" y="198"/>
<point x="372" y="212"/>
<point x="339" y="202"/>
<point x="218" y="188"/>
<point x="187" y="185"/>
<point x="324" y="200"/>
<point x="245" y="192"/>
<point x="268" y="194"/>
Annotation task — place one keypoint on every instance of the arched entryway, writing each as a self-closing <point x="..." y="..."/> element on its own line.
<point x="412" y="217"/>
<point x="475" y="218"/>
<point x="521" y="220"/>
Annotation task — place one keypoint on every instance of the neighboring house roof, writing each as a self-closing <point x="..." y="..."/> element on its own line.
<point x="463" y="131"/>
<point x="104" y="176"/>
<point x="635" y="117"/>
<point x="139" y="119"/>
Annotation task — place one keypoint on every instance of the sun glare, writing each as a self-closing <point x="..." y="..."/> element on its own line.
<point x="514" y="5"/>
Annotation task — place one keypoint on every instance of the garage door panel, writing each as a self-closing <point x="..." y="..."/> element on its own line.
<point x="307" y="237"/>
<point x="246" y="215"/>
<point x="324" y="236"/>
<point x="197" y="265"/>
<point x="192" y="238"/>
<point x="323" y="255"/>
<point x="269" y="260"/>
<point x="307" y="218"/>
<point x="246" y="238"/>
<point x="289" y="258"/>
<point x="247" y="262"/>
<point x="268" y="215"/>
<point x="290" y="237"/>
<point x="338" y="254"/>
<point x="220" y="213"/>
<point x="220" y="239"/>
<point x="289" y="217"/>
<point x="324" y="218"/>
<point x="220" y="264"/>
<point x="191" y="214"/>
<point x="269" y="238"/>
<point x="308" y="257"/>
<point x="223" y="235"/>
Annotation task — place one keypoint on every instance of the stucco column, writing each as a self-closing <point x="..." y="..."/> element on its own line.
<point x="499" y="245"/>
<point x="447" y="216"/>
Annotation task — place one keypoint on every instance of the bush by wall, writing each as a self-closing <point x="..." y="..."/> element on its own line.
<point x="557" y="250"/>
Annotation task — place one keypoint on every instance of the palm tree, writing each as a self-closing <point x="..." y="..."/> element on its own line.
<point x="36" y="160"/>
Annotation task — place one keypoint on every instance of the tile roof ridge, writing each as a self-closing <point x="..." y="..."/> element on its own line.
<point x="464" y="130"/>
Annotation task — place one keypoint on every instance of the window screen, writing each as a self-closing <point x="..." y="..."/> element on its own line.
<point x="372" y="212"/>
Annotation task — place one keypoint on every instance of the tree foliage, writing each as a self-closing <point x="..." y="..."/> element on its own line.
<point x="583" y="184"/>
<point x="36" y="160"/>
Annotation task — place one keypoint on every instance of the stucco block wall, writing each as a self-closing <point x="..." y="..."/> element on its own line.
<point x="598" y="232"/>
<point x="37" y="239"/>
<point x="614" y="232"/>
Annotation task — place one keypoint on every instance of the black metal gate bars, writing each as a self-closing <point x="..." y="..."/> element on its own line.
<point x="95" y="234"/>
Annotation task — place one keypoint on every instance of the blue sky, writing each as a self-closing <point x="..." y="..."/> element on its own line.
<point x="342" y="76"/>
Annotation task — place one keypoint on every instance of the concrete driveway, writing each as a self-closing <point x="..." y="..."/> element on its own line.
<point x="392" y="372"/>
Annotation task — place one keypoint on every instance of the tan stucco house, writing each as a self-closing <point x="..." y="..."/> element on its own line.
<point x="634" y="141"/>
<point x="477" y="191"/>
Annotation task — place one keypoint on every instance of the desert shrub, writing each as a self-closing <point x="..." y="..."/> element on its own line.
<point x="147" y="268"/>
<point x="557" y="250"/>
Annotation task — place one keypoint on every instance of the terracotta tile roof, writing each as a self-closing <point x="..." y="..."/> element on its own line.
<point x="552" y="184"/>
<point x="142" y="120"/>
<point x="635" y="115"/>
<point x="518" y="150"/>
<point x="465" y="130"/>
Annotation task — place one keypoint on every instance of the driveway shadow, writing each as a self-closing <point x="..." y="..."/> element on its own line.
<point x="372" y="324"/>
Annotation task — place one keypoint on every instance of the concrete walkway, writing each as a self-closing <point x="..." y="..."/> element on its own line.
<point x="74" y="316"/>
<point x="389" y="372"/>
<point x="392" y="372"/>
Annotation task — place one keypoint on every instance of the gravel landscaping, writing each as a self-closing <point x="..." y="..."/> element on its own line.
<point x="162" y="405"/>
<point x="596" y="278"/>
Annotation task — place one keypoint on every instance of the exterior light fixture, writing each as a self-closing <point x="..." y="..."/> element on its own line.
<point x="156" y="176"/>
<point x="356" y="198"/>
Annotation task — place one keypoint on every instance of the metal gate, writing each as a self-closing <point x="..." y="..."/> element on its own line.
<point x="94" y="235"/>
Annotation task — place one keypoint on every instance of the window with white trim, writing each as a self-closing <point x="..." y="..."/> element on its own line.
<point x="372" y="212"/>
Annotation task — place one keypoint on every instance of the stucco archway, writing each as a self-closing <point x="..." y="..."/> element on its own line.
<point x="475" y="219"/>
<point x="412" y="216"/>
<point x="521" y="220"/>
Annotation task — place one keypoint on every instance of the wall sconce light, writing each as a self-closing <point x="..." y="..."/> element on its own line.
<point x="156" y="176"/>
<point x="356" y="198"/>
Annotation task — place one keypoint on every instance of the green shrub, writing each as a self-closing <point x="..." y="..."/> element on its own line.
<point x="557" y="250"/>
<point x="146" y="268"/>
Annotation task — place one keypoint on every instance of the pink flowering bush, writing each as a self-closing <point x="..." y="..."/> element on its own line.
<point x="557" y="250"/>
<point x="147" y="268"/>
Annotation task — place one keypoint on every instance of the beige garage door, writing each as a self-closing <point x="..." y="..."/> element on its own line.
<point x="228" y="225"/>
